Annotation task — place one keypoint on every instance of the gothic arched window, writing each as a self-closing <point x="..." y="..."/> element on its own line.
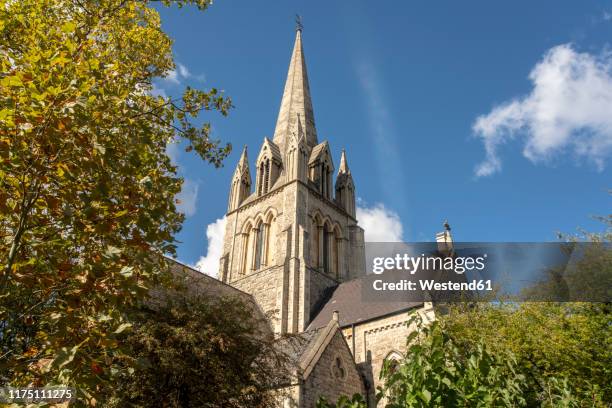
<point x="267" y="176"/>
<point x="247" y="253"/>
<point x="326" y="248"/>
<point x="259" y="246"/>
<point x="335" y="237"/>
<point x="325" y="180"/>
<point x="260" y="177"/>
<point x="392" y="361"/>
<point x="264" y="177"/>
<point x="315" y="248"/>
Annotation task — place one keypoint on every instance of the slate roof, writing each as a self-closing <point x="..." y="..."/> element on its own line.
<point x="294" y="346"/>
<point x="347" y="300"/>
<point x="250" y="198"/>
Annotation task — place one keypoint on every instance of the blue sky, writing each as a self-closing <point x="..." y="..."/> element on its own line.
<point x="416" y="91"/>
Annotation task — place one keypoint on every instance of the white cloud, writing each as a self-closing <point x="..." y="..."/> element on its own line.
<point x="567" y="111"/>
<point x="380" y="224"/>
<point x="182" y="70"/>
<point x="180" y="74"/>
<point x="188" y="197"/>
<point x="209" y="264"/>
<point x="607" y="16"/>
<point x="173" y="76"/>
<point x="172" y="150"/>
<point x="157" y="91"/>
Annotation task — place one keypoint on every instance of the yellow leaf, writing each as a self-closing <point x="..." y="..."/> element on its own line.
<point x="68" y="27"/>
<point x="4" y="113"/>
<point x="121" y="213"/>
<point x="122" y="327"/>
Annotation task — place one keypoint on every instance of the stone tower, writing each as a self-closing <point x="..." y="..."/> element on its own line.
<point x="294" y="235"/>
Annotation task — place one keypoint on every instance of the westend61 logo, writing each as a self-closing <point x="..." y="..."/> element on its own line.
<point x="442" y="268"/>
<point x="412" y="264"/>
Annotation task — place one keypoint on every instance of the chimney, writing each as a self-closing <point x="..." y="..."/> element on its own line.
<point x="335" y="316"/>
<point x="445" y="240"/>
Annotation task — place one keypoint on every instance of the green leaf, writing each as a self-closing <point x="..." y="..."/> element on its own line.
<point x="426" y="395"/>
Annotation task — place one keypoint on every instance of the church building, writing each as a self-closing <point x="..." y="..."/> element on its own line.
<point x="293" y="245"/>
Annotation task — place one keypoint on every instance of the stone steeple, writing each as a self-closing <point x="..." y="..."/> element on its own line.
<point x="296" y="101"/>
<point x="295" y="237"/>
<point x="241" y="182"/>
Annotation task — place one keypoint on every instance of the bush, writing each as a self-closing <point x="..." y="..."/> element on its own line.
<point x="196" y="352"/>
<point x="435" y="372"/>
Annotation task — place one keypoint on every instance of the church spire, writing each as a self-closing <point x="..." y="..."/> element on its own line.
<point x="296" y="100"/>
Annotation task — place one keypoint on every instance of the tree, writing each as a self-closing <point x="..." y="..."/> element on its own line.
<point x="435" y="372"/>
<point x="356" y="401"/>
<point x="440" y="370"/>
<point x="588" y="277"/>
<point x="552" y="343"/>
<point x="87" y="191"/>
<point x="194" y="351"/>
<point x="494" y="353"/>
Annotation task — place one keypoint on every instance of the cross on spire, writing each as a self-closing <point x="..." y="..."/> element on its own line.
<point x="298" y="23"/>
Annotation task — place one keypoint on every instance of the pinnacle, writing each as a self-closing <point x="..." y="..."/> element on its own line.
<point x="343" y="169"/>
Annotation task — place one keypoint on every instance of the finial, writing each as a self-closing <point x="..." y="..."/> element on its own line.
<point x="298" y="23"/>
<point x="343" y="168"/>
<point x="244" y="152"/>
<point x="447" y="225"/>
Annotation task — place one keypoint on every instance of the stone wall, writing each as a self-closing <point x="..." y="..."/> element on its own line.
<point x="199" y="284"/>
<point x="323" y="379"/>
<point x="319" y="282"/>
<point x="289" y="285"/>
<point x="352" y="257"/>
<point x="356" y="261"/>
<point x="379" y="339"/>
<point x="263" y="285"/>
<point x="280" y="202"/>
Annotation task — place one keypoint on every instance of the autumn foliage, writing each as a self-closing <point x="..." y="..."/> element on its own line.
<point x="87" y="192"/>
